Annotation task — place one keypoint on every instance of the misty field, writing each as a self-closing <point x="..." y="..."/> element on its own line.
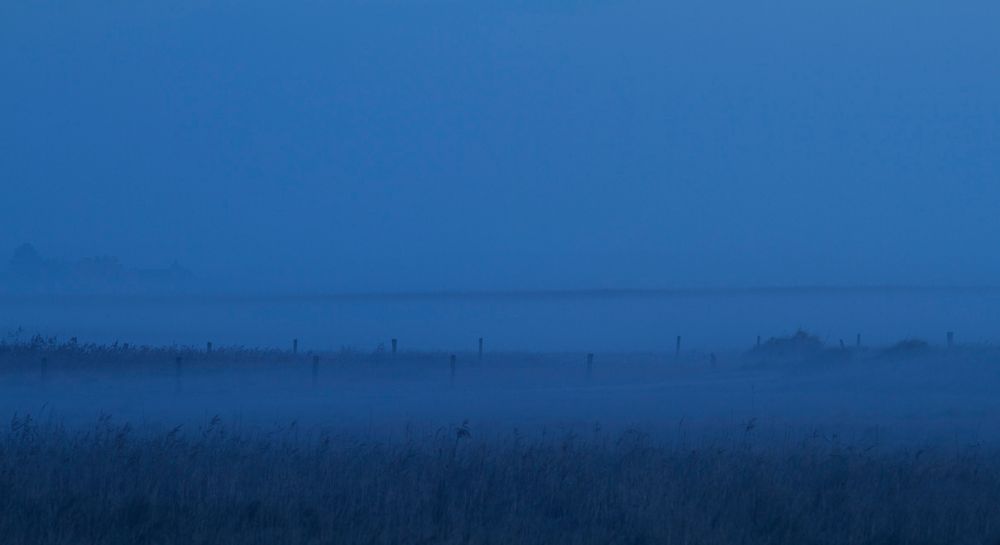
<point x="791" y="442"/>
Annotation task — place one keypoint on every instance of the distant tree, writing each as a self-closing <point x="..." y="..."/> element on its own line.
<point x="26" y="261"/>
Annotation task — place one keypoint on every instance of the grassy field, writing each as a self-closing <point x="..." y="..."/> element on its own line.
<point x="795" y="443"/>
<point x="110" y="484"/>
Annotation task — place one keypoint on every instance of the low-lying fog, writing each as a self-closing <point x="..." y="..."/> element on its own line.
<point x="909" y="393"/>
<point x="533" y="375"/>
<point x="615" y="321"/>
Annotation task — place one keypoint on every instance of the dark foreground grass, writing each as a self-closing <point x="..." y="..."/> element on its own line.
<point x="110" y="484"/>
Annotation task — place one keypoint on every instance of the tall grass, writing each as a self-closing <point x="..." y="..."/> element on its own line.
<point x="109" y="484"/>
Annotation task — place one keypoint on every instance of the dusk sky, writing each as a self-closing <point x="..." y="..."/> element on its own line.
<point x="416" y="145"/>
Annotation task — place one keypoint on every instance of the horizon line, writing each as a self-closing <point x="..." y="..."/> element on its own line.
<point x="535" y="293"/>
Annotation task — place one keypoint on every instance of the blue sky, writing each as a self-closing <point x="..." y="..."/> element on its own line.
<point x="503" y="145"/>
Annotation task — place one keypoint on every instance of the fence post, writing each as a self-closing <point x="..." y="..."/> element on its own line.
<point x="295" y="346"/>
<point x="480" y="349"/>
<point x="858" y="341"/>
<point x="677" y="349"/>
<point x="394" y="343"/>
<point x="758" y="341"/>
<point x="208" y="347"/>
<point x="951" y="339"/>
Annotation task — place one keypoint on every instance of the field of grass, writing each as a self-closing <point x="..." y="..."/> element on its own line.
<point x="110" y="484"/>
<point x="799" y="444"/>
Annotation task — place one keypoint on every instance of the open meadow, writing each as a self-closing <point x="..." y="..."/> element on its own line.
<point x="550" y="272"/>
<point x="789" y="442"/>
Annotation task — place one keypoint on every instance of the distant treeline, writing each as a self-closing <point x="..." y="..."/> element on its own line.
<point x="29" y="272"/>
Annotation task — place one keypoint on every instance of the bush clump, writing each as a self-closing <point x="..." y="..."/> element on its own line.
<point x="800" y="347"/>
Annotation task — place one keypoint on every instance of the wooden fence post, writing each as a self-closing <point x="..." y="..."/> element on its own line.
<point x="677" y="349"/>
<point x="295" y="346"/>
<point x="480" y="349"/>
<point x="394" y="343"/>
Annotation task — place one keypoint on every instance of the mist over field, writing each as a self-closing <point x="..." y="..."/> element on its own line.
<point x="908" y="393"/>
<point x="788" y="441"/>
<point x="499" y="272"/>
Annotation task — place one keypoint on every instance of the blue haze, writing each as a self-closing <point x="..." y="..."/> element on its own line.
<point x="341" y="146"/>
<point x="336" y="147"/>
<point x="578" y="177"/>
